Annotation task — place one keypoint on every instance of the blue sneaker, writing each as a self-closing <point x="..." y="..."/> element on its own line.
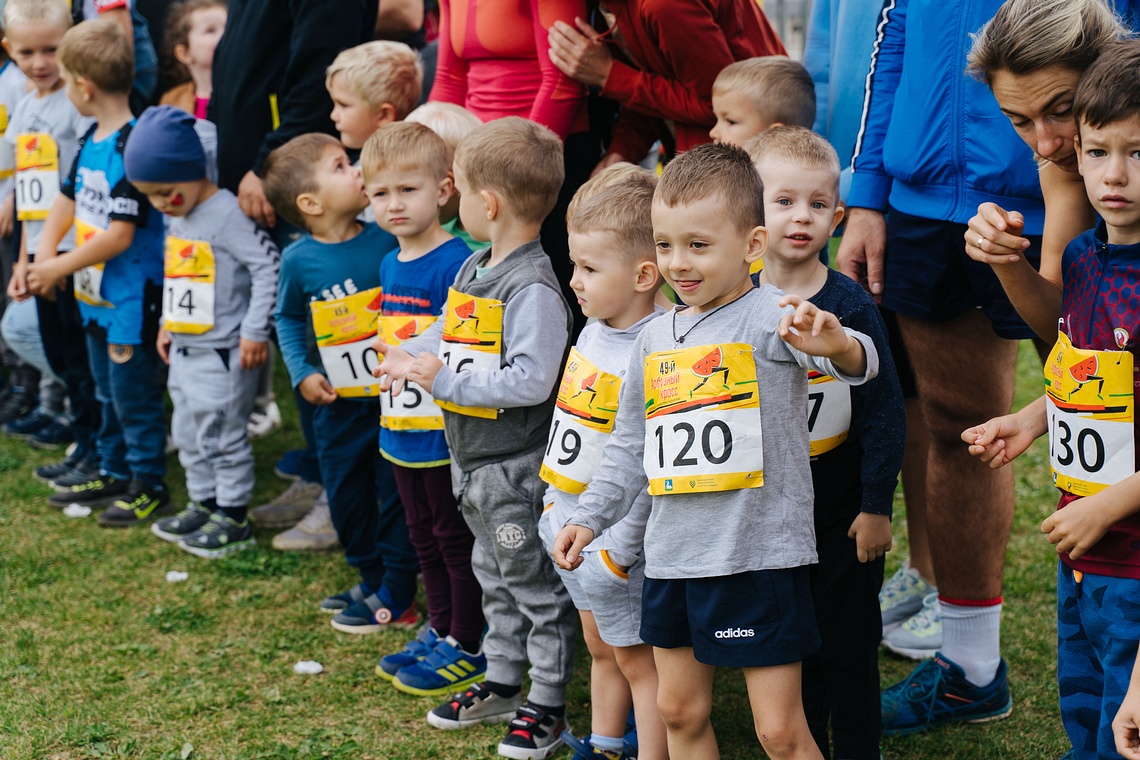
<point x="584" y="750"/>
<point x="28" y="425"/>
<point x="937" y="692"/>
<point x="417" y="649"/>
<point x="288" y="467"/>
<point x="54" y="435"/>
<point x="446" y="670"/>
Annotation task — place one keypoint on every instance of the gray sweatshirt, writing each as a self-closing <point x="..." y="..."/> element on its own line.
<point x="702" y="535"/>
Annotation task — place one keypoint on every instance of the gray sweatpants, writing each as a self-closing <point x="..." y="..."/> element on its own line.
<point x="529" y="614"/>
<point x="213" y="397"/>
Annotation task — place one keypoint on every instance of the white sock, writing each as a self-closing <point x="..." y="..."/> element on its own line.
<point x="608" y="743"/>
<point x="971" y="639"/>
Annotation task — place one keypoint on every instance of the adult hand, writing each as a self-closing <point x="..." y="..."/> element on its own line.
<point x="253" y="203"/>
<point x="994" y="235"/>
<point x="607" y="161"/>
<point x="579" y="53"/>
<point x="861" y="249"/>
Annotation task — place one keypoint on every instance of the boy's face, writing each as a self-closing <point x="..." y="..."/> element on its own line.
<point x="354" y="119"/>
<point x="340" y="187"/>
<point x="801" y="210"/>
<point x="1109" y="160"/>
<point x="703" y="256"/>
<point x="407" y="202"/>
<point x="604" y="277"/>
<point x="737" y="120"/>
<point x="173" y="198"/>
<point x="472" y="209"/>
<point x="33" y="48"/>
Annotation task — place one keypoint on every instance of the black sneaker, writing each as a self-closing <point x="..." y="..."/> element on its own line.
<point x="93" y="492"/>
<point x="181" y="525"/>
<point x="532" y="735"/>
<point x="141" y="502"/>
<point x="46" y="473"/>
<point x="28" y="425"/>
<point x="57" y="434"/>
<point x="86" y="469"/>
<point x="17" y="404"/>
<point x="477" y="705"/>
<point x="220" y="536"/>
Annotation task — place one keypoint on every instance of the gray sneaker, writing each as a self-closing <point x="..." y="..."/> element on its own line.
<point x="314" y="533"/>
<point x="179" y="526"/>
<point x="220" y="536"/>
<point x="289" y="507"/>
<point x="920" y="637"/>
<point x="475" y="706"/>
<point x="901" y="597"/>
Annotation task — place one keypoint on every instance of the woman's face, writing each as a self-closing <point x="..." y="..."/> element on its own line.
<point x="1040" y="107"/>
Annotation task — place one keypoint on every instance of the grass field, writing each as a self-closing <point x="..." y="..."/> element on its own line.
<point x="101" y="657"/>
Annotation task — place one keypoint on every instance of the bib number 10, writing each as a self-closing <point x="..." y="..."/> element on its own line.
<point x="358" y="363"/>
<point x="29" y="191"/>
<point x="715" y="443"/>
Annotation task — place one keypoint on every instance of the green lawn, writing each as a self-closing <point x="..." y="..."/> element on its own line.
<point x="101" y="657"/>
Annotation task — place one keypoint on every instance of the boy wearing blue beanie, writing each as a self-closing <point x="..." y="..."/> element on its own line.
<point x="219" y="291"/>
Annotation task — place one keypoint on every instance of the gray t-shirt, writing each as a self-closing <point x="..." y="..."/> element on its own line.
<point x="701" y="535"/>
<point x="55" y="115"/>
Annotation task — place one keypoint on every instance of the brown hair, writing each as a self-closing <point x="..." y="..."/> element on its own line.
<point x="715" y="170"/>
<point x="781" y="89"/>
<point x="1110" y="89"/>
<point x="291" y="170"/>
<point x="100" y="51"/>
<point x="518" y="159"/>
<point x="405" y="145"/>
<point x="611" y="174"/>
<point x="621" y="206"/>
<point x="381" y="72"/>
<point x="177" y="32"/>
<point x="801" y="146"/>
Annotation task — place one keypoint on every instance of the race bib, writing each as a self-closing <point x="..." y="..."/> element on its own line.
<point x="414" y="408"/>
<point x="1089" y="398"/>
<point x="829" y="412"/>
<point x="37" y="175"/>
<point x="88" y="282"/>
<point x="472" y="341"/>
<point x="702" y="420"/>
<point x="344" y="330"/>
<point x="188" y="281"/>
<point x="583" y="420"/>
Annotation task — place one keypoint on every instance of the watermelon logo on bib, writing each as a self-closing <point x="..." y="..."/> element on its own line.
<point x="1084" y="371"/>
<point x="709" y="367"/>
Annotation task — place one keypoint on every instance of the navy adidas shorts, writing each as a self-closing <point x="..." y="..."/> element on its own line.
<point x="748" y="620"/>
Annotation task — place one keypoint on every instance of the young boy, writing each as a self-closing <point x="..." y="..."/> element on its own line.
<point x="117" y="265"/>
<point x="615" y="279"/>
<point x="856" y="444"/>
<point x="1089" y="413"/>
<point x="44" y="133"/>
<point x="407" y="173"/>
<point x="731" y="518"/>
<point x="500" y="341"/>
<point x="221" y="284"/>
<point x="327" y="302"/>
<point x="752" y="95"/>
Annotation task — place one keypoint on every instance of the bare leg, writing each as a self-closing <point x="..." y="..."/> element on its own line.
<point x="684" y="698"/>
<point x="914" y="490"/>
<point x="639" y="669"/>
<point x="609" y="692"/>
<point x="778" y="712"/>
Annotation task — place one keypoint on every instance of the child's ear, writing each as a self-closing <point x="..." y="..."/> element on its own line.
<point x="757" y="244"/>
<point x="647" y="277"/>
<point x="182" y="54"/>
<point x="7" y="47"/>
<point x="86" y="87"/>
<point x="385" y="114"/>
<point x="446" y="190"/>
<point x="840" y="212"/>
<point x="491" y="203"/>
<point x="309" y="205"/>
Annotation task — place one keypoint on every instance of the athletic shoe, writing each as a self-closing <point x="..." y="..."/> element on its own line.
<point x="28" y="425"/>
<point x="937" y="692"/>
<point x="369" y="615"/>
<point x="288" y="467"/>
<point x="417" y="649"/>
<point x="93" y="492"/>
<point x="17" y="404"/>
<point x="477" y="705"/>
<point x="289" y="507"/>
<point x="920" y="637"/>
<point x="533" y="735"/>
<point x="181" y="525"/>
<point x="584" y="750"/>
<point x="343" y="600"/>
<point x="443" y="671"/>
<point x="220" y="536"/>
<point x="314" y="533"/>
<point x="141" y="502"/>
<point x="263" y="420"/>
<point x="901" y="597"/>
<point x="80" y="473"/>
<point x="46" y="473"/>
<point x="56" y="434"/>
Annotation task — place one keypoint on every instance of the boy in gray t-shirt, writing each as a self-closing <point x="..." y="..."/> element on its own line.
<point x="712" y="419"/>
<point x="218" y="297"/>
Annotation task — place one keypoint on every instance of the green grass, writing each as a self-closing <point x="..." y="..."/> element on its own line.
<point x="101" y="658"/>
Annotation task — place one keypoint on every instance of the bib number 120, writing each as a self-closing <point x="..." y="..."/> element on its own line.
<point x="713" y="433"/>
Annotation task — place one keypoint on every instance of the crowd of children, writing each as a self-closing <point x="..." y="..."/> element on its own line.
<point x="708" y="483"/>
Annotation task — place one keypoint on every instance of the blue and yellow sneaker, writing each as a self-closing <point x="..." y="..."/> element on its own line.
<point x="937" y="692"/>
<point x="446" y="670"/>
<point x="417" y="649"/>
<point x="583" y="749"/>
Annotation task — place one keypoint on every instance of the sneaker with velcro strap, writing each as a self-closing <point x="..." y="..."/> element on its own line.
<point x="345" y="599"/>
<point x="177" y="527"/>
<point x="370" y="615"/>
<point x="96" y="491"/>
<point x="444" y="670"/>
<point x="416" y="649"/>
<point x="221" y="535"/>
<point x="141" y="502"/>
<point x="901" y="597"/>
<point x="476" y="706"/>
<point x="46" y="473"/>
<point x="533" y="734"/>
<point x="80" y="473"/>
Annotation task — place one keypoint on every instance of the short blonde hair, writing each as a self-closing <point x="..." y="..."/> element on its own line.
<point x="517" y="158"/>
<point x="715" y="170"/>
<point x="781" y="89"/>
<point x="450" y="121"/>
<point x="405" y="145"/>
<point x="291" y="171"/>
<point x="621" y="206"/>
<point x="381" y="72"/>
<point x="100" y="51"/>
<point x="801" y="146"/>
<point x="17" y="12"/>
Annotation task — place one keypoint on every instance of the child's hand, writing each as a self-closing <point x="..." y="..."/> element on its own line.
<point x="424" y="369"/>
<point x="316" y="390"/>
<point x="999" y="441"/>
<point x="1126" y="724"/>
<point x="43" y="279"/>
<point x="254" y="353"/>
<point x="1079" y="526"/>
<point x="818" y="333"/>
<point x="8" y="216"/>
<point x="393" y="370"/>
<point x="162" y="345"/>
<point x="568" y="546"/>
<point x="18" y="285"/>
<point x="872" y="534"/>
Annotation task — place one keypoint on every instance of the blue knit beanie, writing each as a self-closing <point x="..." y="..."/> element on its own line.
<point x="164" y="147"/>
